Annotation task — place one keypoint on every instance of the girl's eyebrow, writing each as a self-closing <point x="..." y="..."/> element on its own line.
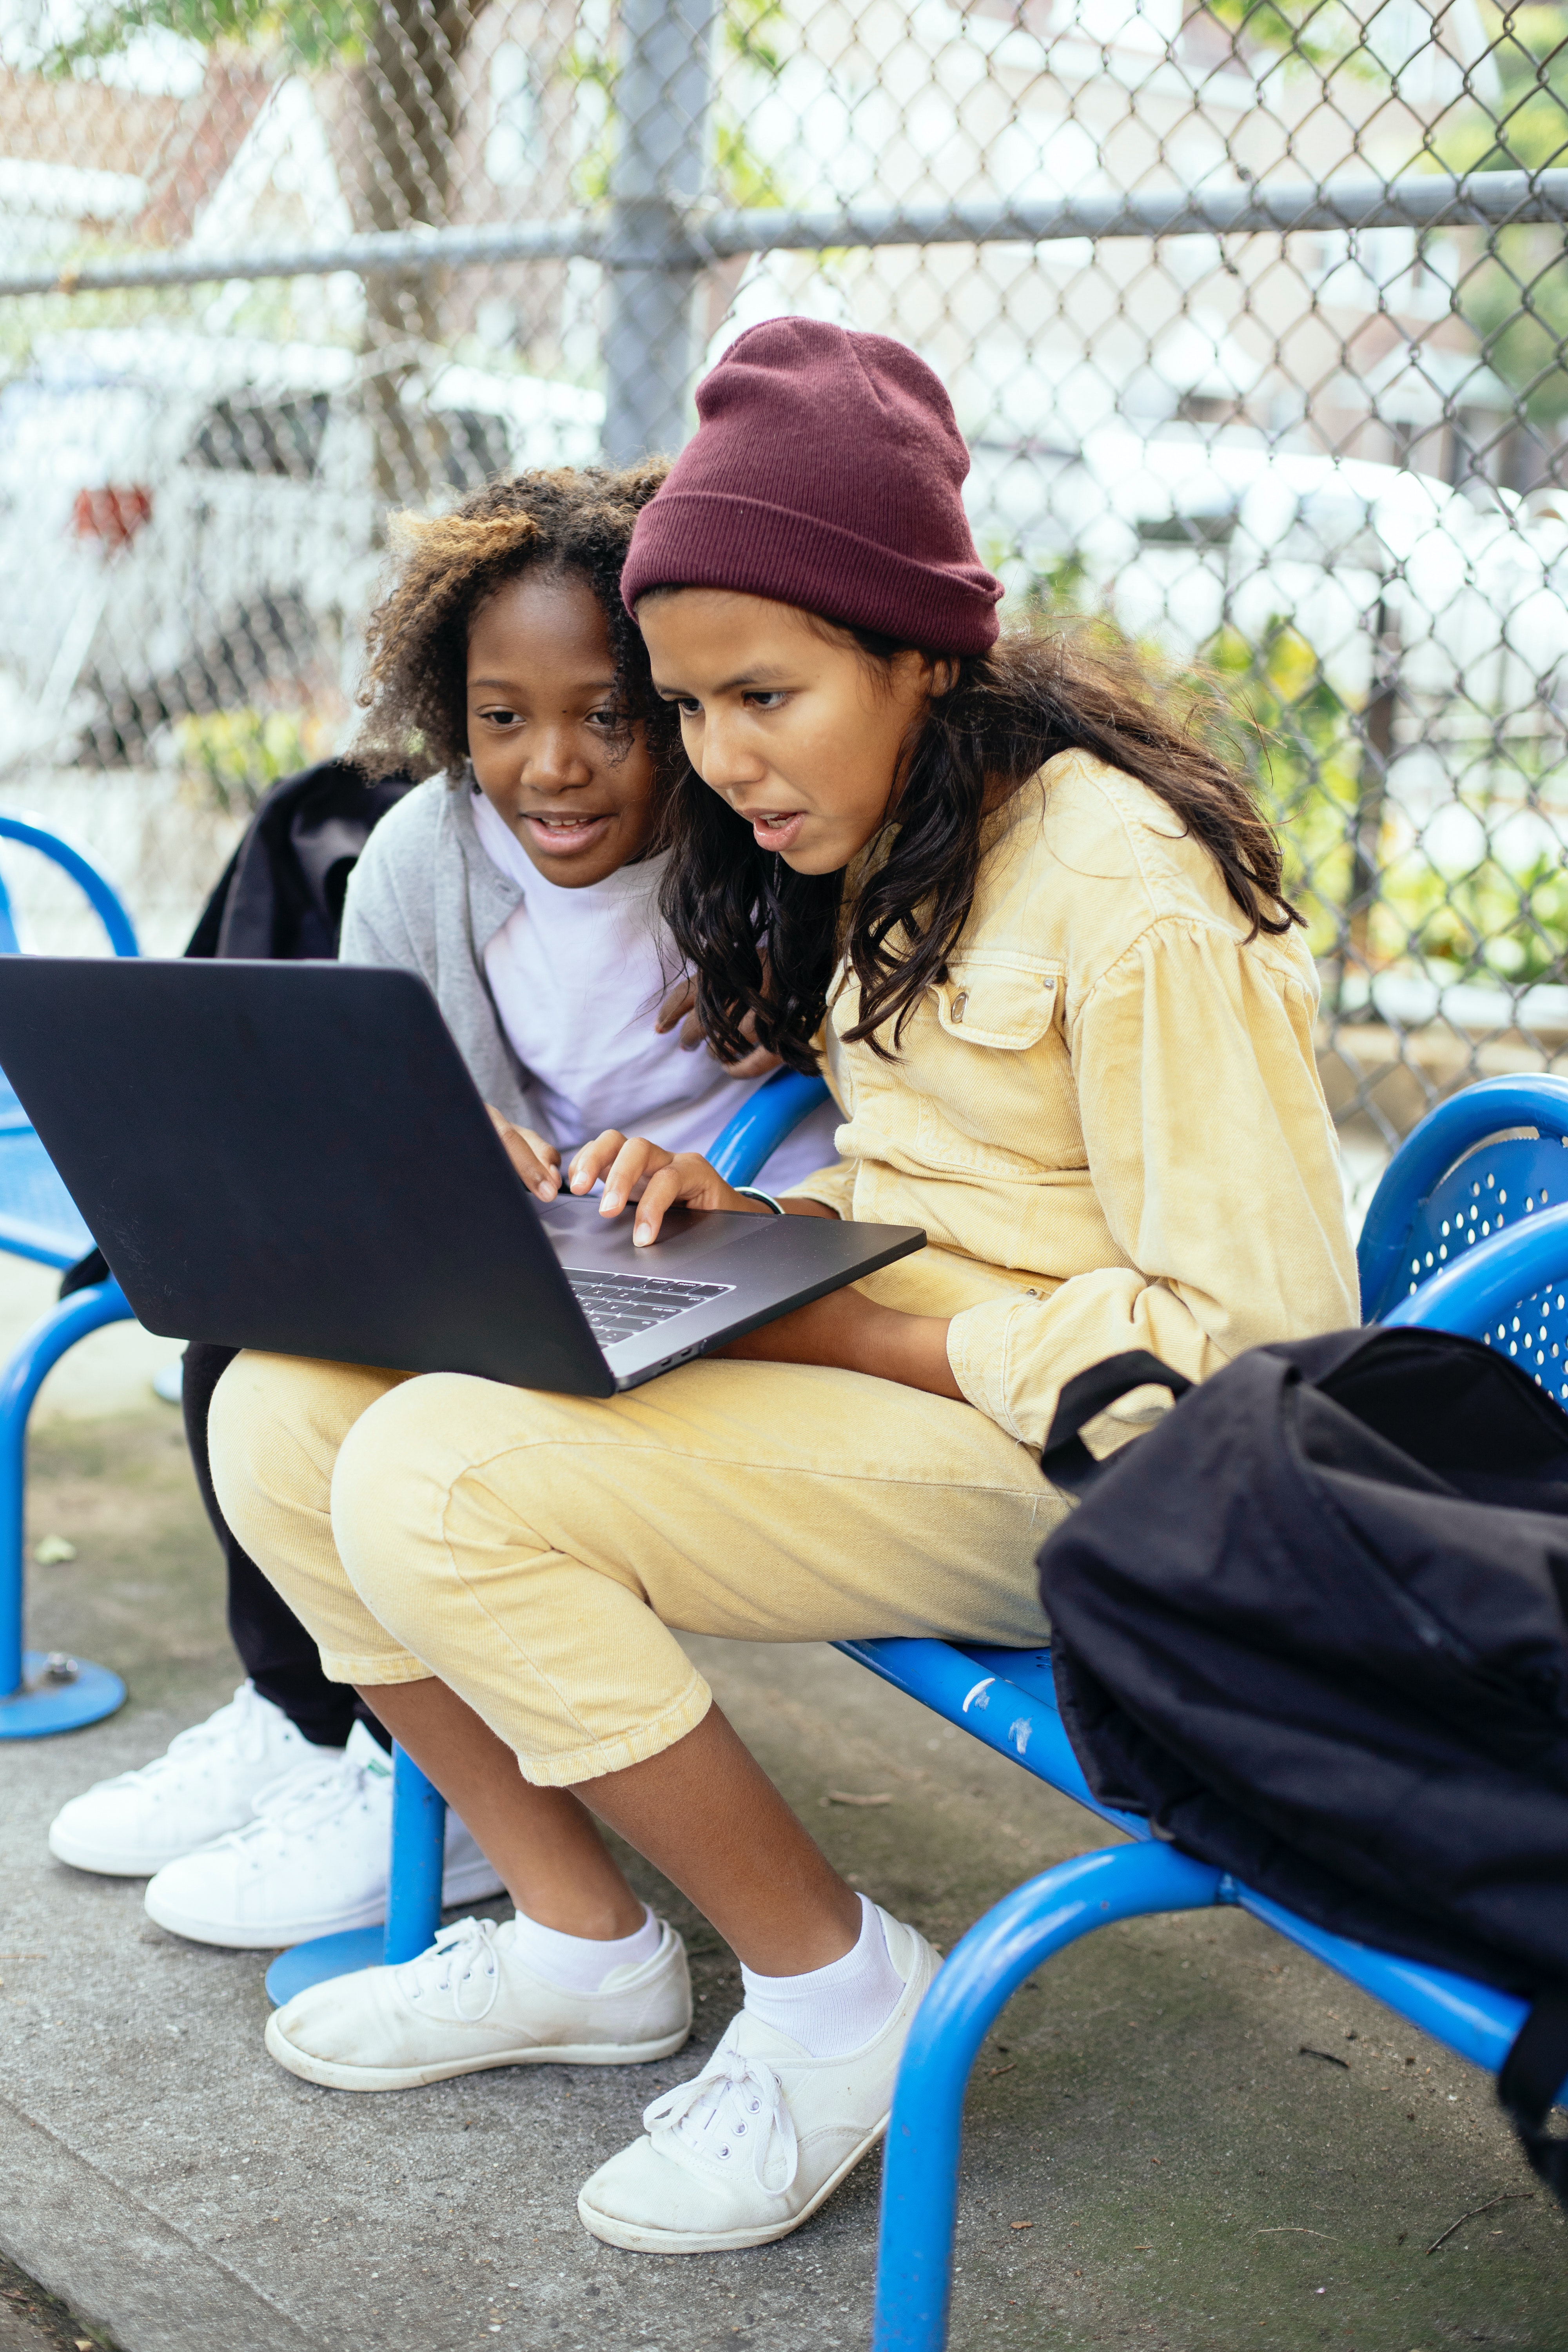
<point x="768" y="678"/>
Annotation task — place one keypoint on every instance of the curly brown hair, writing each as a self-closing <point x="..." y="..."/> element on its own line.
<point x="572" y="521"/>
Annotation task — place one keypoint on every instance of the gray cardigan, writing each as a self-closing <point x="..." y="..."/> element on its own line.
<point x="425" y="897"/>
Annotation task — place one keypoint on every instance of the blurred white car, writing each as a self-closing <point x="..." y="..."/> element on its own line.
<point x="1181" y="535"/>
<point x="184" y="517"/>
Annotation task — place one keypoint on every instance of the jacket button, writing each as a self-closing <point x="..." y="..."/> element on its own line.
<point x="959" y="1001"/>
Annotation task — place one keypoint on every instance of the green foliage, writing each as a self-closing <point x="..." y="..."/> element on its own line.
<point x="228" y="759"/>
<point x="1301" y="745"/>
<point x="1516" y="299"/>
<point x="749" y="27"/>
<point x="1050" y="592"/>
<point x="740" y="177"/>
<point x="1493" y="922"/>
<point x="1322" y="34"/>
<point x="1528" y="129"/>
<point x="312" y="32"/>
<point x="315" y="34"/>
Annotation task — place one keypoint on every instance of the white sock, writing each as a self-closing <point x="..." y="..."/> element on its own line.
<point x="832" y="2010"/>
<point x="581" y="1963"/>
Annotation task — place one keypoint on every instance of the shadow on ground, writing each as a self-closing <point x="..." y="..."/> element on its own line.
<point x="1153" y="2159"/>
<point x="32" y="2320"/>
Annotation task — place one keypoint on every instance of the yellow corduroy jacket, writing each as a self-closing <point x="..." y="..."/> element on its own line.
<point x="1108" y="1117"/>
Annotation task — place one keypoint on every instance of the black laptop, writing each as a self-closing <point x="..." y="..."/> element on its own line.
<point x="292" y="1156"/>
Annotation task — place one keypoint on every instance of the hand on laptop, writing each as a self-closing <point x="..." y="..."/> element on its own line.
<point x="635" y="1170"/>
<point x="537" y="1163"/>
<point x="845" y="1328"/>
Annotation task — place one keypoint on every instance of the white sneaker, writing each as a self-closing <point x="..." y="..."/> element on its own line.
<point x="468" y="2003"/>
<point x="206" y="1784"/>
<point x="750" y="2148"/>
<point x="313" y="1859"/>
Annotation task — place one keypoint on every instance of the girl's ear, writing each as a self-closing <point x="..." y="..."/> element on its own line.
<point x="936" y="674"/>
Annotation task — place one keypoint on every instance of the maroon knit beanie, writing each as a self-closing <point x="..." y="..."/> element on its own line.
<point x="824" y="472"/>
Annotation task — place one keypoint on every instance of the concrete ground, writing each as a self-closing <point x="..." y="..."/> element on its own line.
<point x="1183" y="2134"/>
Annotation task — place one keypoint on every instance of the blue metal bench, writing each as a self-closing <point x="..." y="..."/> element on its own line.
<point x="40" y="1220"/>
<point x="1469" y="1231"/>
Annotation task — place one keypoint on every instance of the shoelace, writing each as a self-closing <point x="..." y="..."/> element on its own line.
<point x="736" y="2104"/>
<point x="242" y="1724"/>
<point x="461" y="1955"/>
<point x="311" y="1793"/>
<point x="304" y="1798"/>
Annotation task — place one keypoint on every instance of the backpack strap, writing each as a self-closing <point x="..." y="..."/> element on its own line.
<point x="1532" y="2075"/>
<point x="1066" y="1459"/>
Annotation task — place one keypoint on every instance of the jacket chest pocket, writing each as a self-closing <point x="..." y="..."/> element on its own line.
<point x="1005" y="1000"/>
<point x="984" y="1112"/>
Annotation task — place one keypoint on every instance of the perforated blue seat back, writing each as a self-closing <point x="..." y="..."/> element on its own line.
<point x="39" y="1219"/>
<point x="1491" y="1190"/>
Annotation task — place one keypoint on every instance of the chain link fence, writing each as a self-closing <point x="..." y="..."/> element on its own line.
<point x="1254" y="314"/>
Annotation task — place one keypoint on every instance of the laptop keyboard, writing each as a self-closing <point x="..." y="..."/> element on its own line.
<point x="618" y="1306"/>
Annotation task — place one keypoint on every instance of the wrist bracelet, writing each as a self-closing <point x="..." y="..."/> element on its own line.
<point x="755" y="1192"/>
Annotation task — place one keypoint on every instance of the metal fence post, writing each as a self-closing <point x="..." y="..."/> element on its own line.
<point x="1376" y="733"/>
<point x="662" y="91"/>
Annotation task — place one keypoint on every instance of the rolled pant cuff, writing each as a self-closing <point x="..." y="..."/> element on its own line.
<point x="338" y="1667"/>
<point x="601" y="1756"/>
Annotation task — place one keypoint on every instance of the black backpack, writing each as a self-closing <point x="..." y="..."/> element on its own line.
<point x="280" y="897"/>
<point x="1314" y="1626"/>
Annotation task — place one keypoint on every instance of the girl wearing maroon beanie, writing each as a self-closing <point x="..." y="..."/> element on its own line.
<point x="1032" y="931"/>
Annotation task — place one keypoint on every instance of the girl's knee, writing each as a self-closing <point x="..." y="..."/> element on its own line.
<point x="392" y="1470"/>
<point x="249" y="1422"/>
<point x="402" y="1465"/>
<point x="275" y="1426"/>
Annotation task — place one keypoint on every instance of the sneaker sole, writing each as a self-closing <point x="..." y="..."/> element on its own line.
<point x="470" y="1884"/>
<point x="637" y="2239"/>
<point x="335" y="2077"/>
<point x="109" y="1863"/>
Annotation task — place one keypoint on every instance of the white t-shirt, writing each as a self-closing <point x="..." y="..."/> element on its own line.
<point x="578" y="977"/>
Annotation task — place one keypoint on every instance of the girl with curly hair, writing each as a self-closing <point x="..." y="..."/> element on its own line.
<point x="521" y="880"/>
<point x="1031" y="925"/>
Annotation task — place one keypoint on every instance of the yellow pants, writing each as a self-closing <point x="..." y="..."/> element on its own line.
<point x="535" y="1550"/>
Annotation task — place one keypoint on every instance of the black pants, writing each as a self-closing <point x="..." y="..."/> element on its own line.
<point x="277" y="1653"/>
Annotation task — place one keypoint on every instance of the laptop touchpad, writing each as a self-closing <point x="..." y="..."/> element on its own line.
<point x="580" y="1237"/>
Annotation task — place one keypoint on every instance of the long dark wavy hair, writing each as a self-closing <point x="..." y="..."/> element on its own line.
<point x="765" y="941"/>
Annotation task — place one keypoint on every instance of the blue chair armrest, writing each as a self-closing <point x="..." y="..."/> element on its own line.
<point x="1004" y="1698"/>
<point x="1456" y="1127"/>
<point x="20" y="1380"/>
<point x="1490" y="1280"/>
<point x="745" y="1146"/>
<point x="105" y="901"/>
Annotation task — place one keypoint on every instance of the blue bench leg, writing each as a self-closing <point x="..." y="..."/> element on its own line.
<point x="412" y="1896"/>
<point x="919" y="2181"/>
<point x="418" y="1861"/>
<point x="39" y="1695"/>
